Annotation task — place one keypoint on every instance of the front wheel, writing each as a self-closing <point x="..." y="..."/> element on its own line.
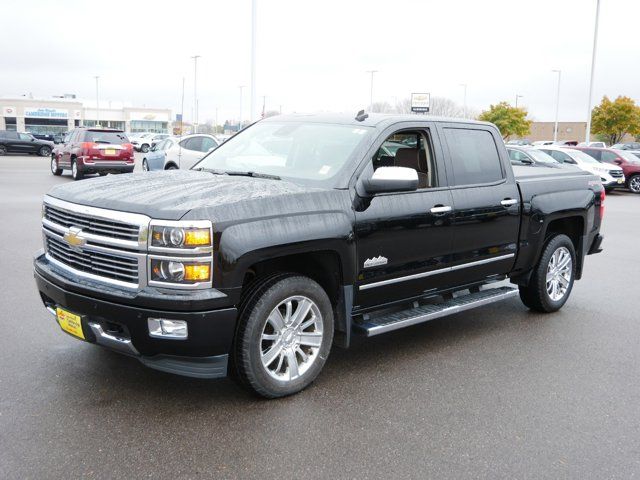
<point x="145" y="165"/>
<point x="54" y="166"/>
<point x="634" y="184"/>
<point x="44" y="151"/>
<point x="284" y="336"/>
<point x="3" y="150"/>
<point x="552" y="279"/>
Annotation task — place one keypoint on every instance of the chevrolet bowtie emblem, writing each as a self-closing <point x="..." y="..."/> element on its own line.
<point x="74" y="237"/>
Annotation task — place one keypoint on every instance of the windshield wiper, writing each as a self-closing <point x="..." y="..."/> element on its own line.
<point x="238" y="173"/>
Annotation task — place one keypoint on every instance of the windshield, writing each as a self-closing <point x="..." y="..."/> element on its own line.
<point x="581" y="156"/>
<point x="540" y="156"/>
<point x="312" y="151"/>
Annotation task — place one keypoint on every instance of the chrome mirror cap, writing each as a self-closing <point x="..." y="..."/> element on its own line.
<point x="392" y="179"/>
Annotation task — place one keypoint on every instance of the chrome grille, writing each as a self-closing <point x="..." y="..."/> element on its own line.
<point x="616" y="173"/>
<point x="91" y="224"/>
<point x="115" y="267"/>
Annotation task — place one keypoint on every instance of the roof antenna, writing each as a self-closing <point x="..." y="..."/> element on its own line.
<point x="361" y="116"/>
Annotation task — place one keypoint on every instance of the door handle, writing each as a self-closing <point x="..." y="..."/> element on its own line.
<point x="441" y="209"/>
<point x="507" y="202"/>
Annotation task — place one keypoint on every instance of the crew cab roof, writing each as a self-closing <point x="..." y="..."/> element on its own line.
<point x="378" y="120"/>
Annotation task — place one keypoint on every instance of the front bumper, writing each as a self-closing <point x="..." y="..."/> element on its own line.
<point x="123" y="328"/>
<point x="614" y="183"/>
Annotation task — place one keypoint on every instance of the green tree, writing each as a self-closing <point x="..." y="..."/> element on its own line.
<point x="616" y="119"/>
<point x="509" y="120"/>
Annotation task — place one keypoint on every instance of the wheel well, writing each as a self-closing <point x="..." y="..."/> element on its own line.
<point x="323" y="267"/>
<point x="572" y="227"/>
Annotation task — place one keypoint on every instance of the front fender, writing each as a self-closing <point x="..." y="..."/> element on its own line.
<point x="242" y="245"/>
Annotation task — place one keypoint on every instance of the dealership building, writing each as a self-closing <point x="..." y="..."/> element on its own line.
<point x="60" y="114"/>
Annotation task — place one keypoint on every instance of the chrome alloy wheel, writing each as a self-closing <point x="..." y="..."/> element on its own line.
<point x="634" y="184"/>
<point x="291" y="338"/>
<point x="559" y="271"/>
<point x="54" y="164"/>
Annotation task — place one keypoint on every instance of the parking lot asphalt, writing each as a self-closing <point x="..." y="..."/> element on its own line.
<point x="498" y="392"/>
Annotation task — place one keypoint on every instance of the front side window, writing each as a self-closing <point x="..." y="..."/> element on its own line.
<point x="474" y="156"/>
<point x="302" y="150"/>
<point x="609" y="157"/>
<point x="409" y="149"/>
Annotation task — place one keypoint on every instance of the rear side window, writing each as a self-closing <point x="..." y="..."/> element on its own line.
<point x="593" y="153"/>
<point x="474" y="156"/>
<point x="105" y="137"/>
<point x="194" y="143"/>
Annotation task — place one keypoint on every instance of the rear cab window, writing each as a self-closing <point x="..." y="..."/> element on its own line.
<point x="474" y="156"/>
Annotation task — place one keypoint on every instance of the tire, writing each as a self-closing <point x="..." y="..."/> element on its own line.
<point x="3" y="150"/>
<point x="276" y="354"/>
<point x="76" y="173"/>
<point x="145" y="165"/>
<point x="549" y="296"/>
<point x="57" y="171"/>
<point x="608" y="189"/>
<point x="144" y="148"/>
<point x="44" y="151"/>
<point x="634" y="183"/>
<point x="171" y="167"/>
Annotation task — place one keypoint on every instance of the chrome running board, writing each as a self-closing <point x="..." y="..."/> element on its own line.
<point x="424" y="313"/>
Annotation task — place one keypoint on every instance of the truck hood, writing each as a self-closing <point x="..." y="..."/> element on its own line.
<point x="170" y="195"/>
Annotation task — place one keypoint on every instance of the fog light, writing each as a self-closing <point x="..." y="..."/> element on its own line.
<point x="165" y="328"/>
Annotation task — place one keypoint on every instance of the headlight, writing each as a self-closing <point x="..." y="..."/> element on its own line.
<point x="180" y="271"/>
<point x="180" y="254"/>
<point x="187" y="235"/>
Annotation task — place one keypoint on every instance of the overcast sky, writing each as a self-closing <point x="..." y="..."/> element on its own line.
<point x="313" y="54"/>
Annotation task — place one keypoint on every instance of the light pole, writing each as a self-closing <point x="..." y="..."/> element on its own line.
<point x="195" y="93"/>
<point x="254" y="19"/>
<point x="240" y="120"/>
<point x="371" y="90"/>
<point x="97" y="103"/>
<point x="555" y="128"/>
<point x="517" y="97"/>
<point x="593" y="67"/>
<point x="464" y="99"/>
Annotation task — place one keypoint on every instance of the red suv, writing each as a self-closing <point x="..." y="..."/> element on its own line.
<point x="629" y="163"/>
<point x="93" y="150"/>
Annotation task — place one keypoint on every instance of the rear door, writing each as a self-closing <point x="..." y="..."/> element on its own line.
<point x="12" y="141"/>
<point x="27" y="143"/>
<point x="486" y="202"/>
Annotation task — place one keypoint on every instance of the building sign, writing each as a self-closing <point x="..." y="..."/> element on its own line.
<point x="77" y="114"/>
<point x="8" y="111"/>
<point x="46" y="112"/>
<point x="149" y="116"/>
<point x="420" y="102"/>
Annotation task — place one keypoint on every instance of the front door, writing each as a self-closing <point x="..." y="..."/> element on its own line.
<point x="404" y="239"/>
<point x="486" y="203"/>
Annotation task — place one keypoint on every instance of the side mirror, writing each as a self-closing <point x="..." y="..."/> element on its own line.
<point x="391" y="179"/>
<point x="617" y="161"/>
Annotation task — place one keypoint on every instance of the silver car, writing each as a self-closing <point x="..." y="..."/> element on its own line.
<point x="179" y="152"/>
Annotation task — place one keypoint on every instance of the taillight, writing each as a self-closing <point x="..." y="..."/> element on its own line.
<point x="89" y="145"/>
<point x="602" y="197"/>
<point x="128" y="146"/>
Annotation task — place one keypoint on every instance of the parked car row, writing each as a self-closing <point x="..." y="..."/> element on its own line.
<point x="616" y="168"/>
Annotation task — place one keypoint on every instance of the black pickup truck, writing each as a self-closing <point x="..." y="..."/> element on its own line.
<point x="303" y="231"/>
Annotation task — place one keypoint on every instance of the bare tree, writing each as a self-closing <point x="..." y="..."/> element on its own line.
<point x="440" y="106"/>
<point x="381" y="107"/>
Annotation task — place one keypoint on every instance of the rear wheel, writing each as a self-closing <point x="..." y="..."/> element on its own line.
<point x="634" y="184"/>
<point x="76" y="173"/>
<point x="172" y="167"/>
<point x="552" y="279"/>
<point x="284" y="336"/>
<point x="54" y="166"/>
<point x="3" y="150"/>
<point x="44" y="151"/>
<point x="144" y="148"/>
